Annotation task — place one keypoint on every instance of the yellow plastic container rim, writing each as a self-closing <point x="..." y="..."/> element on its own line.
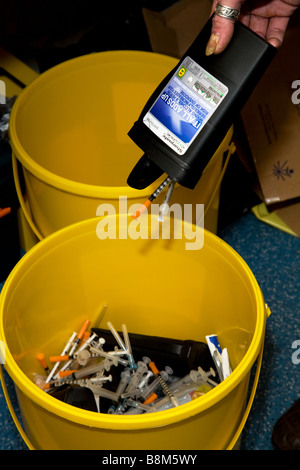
<point x="59" y="182"/>
<point x="128" y="422"/>
<point x="68" y="185"/>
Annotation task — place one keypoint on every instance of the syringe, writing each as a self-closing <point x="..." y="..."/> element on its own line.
<point x="152" y="197"/>
<point x="164" y="208"/>
<point x="165" y="388"/>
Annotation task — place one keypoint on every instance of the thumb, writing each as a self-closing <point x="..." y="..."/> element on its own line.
<point x="222" y="28"/>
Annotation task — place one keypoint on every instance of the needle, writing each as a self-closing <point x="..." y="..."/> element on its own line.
<point x="152" y="197"/>
<point x="164" y="208"/>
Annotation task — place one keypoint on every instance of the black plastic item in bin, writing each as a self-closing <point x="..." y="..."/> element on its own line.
<point x="9" y="237"/>
<point x="181" y="355"/>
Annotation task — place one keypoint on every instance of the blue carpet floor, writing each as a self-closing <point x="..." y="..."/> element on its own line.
<point x="274" y="258"/>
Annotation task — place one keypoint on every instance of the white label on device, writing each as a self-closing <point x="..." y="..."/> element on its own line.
<point x="185" y="105"/>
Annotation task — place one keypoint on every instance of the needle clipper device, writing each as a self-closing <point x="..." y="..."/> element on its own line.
<point x="188" y="115"/>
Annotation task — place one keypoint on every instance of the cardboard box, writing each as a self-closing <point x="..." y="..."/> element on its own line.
<point x="271" y="120"/>
<point x="173" y="30"/>
<point x="290" y="214"/>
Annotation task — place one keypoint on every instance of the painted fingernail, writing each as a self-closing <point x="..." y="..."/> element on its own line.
<point x="212" y="44"/>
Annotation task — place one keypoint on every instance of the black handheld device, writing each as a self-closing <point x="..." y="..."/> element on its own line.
<point x="188" y="115"/>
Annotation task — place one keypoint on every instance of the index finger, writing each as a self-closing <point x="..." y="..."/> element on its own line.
<point x="222" y="28"/>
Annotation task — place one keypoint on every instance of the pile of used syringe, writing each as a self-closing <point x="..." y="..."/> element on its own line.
<point x="94" y="378"/>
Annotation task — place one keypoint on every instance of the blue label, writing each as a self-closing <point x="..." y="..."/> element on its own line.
<point x="179" y="112"/>
<point x="185" y="105"/>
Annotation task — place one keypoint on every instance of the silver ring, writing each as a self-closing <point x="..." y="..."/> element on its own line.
<point x="227" y="12"/>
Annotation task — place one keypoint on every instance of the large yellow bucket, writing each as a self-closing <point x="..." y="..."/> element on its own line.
<point x="68" y="129"/>
<point x="154" y="286"/>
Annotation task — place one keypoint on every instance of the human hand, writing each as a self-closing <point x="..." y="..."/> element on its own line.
<point x="268" y="18"/>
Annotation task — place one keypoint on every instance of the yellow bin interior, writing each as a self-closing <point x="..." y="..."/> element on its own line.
<point x="68" y="129"/>
<point x="154" y="286"/>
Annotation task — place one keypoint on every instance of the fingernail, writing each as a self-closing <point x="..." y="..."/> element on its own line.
<point x="275" y="42"/>
<point x="212" y="44"/>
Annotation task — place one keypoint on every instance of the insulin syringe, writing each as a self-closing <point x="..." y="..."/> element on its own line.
<point x="165" y="205"/>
